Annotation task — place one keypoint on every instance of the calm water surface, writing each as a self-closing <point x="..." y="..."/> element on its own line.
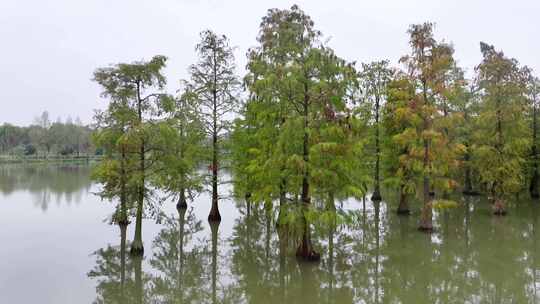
<point x="57" y="247"/>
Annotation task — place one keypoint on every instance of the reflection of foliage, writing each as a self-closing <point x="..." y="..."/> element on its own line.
<point x="119" y="277"/>
<point x="382" y="259"/>
<point x="63" y="182"/>
<point x="181" y="271"/>
<point x="379" y="259"/>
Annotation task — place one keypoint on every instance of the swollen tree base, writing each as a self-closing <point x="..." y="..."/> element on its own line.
<point x="470" y="192"/>
<point x="403" y="211"/>
<point x="499" y="208"/>
<point x="425" y="226"/>
<point x="137" y="249"/>
<point x="123" y="222"/>
<point x="181" y="205"/>
<point x="426" y="221"/>
<point x="214" y="216"/>
<point x="306" y="253"/>
<point x="403" y="208"/>
<point x="376" y="197"/>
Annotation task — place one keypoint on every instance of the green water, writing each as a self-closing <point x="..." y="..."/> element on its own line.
<point x="58" y="248"/>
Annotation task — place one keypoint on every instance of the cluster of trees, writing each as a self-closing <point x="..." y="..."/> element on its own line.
<point x="44" y="137"/>
<point x="314" y="128"/>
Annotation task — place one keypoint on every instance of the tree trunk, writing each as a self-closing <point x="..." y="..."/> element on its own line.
<point x="282" y="236"/>
<point x="403" y="208"/>
<point x="377" y="191"/>
<point x="533" y="189"/>
<point x="468" y="188"/>
<point x="499" y="207"/>
<point x="123" y="229"/>
<point x="214" y="215"/>
<point x="123" y="218"/>
<point x="305" y="249"/>
<point x="137" y="245"/>
<point x="282" y="202"/>
<point x="426" y="215"/>
<point x="182" y="203"/>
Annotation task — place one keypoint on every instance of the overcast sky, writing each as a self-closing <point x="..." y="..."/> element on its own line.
<point x="49" y="48"/>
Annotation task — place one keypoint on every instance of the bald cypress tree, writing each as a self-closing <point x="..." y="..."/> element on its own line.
<point x="501" y="135"/>
<point x="374" y="78"/>
<point x="140" y="84"/>
<point x="215" y="85"/>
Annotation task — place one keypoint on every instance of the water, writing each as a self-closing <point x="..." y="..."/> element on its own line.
<point x="57" y="247"/>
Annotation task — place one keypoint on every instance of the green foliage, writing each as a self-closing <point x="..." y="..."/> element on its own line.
<point x="501" y="138"/>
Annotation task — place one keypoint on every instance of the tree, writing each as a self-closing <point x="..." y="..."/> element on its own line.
<point x="181" y="140"/>
<point x="215" y="84"/>
<point x="297" y="114"/>
<point x="140" y="84"/>
<point x="501" y="135"/>
<point x="42" y="135"/>
<point x="533" y="95"/>
<point x="115" y="171"/>
<point x="468" y="106"/>
<point x="428" y="66"/>
<point x="374" y="78"/>
<point x="402" y="120"/>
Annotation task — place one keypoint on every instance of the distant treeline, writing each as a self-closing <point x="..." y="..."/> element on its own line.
<point x="46" y="138"/>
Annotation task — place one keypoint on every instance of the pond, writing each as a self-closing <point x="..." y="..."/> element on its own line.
<point x="57" y="247"/>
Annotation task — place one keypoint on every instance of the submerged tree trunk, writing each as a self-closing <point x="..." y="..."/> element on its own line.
<point x="283" y="240"/>
<point x="123" y="230"/>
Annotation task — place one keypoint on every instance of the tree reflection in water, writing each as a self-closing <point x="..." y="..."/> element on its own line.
<point x="47" y="183"/>
<point x="380" y="258"/>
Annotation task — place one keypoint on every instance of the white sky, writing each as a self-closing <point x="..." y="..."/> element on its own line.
<point x="49" y="48"/>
